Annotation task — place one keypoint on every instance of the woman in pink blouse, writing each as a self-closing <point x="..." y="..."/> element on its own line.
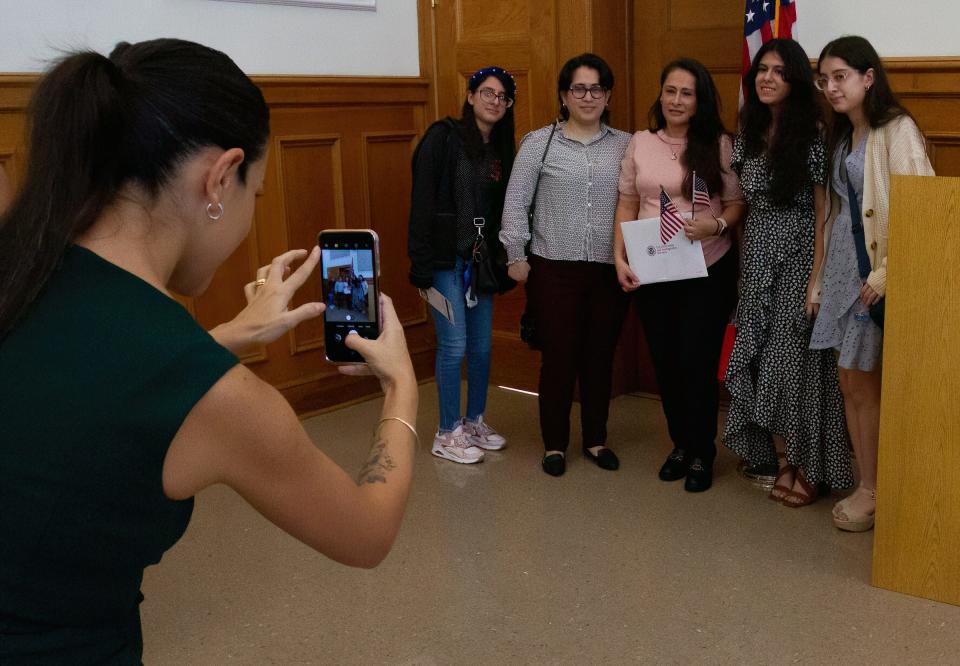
<point x="684" y="320"/>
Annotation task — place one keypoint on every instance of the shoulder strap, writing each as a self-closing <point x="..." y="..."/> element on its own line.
<point x="536" y="188"/>
<point x="856" y="221"/>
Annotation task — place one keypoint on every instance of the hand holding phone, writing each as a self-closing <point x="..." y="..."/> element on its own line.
<point x="350" y="276"/>
<point x="387" y="356"/>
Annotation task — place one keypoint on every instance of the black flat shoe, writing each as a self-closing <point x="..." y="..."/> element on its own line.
<point x="605" y="458"/>
<point x="675" y="466"/>
<point x="699" y="476"/>
<point x="555" y="464"/>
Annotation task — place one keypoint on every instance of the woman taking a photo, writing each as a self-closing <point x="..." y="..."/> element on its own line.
<point x="782" y="393"/>
<point x="460" y="172"/>
<point x="871" y="138"/>
<point x="117" y="408"/>
<point x="573" y="288"/>
<point x="684" y="321"/>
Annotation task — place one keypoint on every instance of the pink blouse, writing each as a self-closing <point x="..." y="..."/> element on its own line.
<point x="649" y="163"/>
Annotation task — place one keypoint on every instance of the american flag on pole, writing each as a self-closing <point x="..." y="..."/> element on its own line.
<point x="671" y="221"/>
<point x="701" y="194"/>
<point x="765" y="20"/>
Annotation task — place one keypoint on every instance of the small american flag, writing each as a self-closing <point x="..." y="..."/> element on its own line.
<point x="671" y="221"/>
<point x="701" y="195"/>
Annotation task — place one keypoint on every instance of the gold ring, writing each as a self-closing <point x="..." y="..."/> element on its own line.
<point x="260" y="282"/>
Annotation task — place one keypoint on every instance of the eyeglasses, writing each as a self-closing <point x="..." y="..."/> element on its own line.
<point x="491" y="95"/>
<point x="838" y="77"/>
<point x="580" y="91"/>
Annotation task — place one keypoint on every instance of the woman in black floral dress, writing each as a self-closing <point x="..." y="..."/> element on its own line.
<point x="781" y="391"/>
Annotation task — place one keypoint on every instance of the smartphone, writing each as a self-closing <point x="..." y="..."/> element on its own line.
<point x="350" y="276"/>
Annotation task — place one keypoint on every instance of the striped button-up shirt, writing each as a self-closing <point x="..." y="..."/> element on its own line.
<point x="576" y="201"/>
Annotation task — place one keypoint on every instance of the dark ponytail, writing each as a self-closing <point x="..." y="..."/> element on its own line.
<point x="97" y="124"/>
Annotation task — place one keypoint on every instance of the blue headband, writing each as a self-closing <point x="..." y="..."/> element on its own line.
<point x="502" y="75"/>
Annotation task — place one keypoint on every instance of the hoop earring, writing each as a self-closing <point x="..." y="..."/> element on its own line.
<point x="219" y="211"/>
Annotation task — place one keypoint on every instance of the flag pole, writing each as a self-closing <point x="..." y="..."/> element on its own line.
<point x="776" y="19"/>
<point x="693" y="195"/>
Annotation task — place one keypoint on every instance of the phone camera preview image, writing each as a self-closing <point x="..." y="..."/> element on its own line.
<point x="349" y="289"/>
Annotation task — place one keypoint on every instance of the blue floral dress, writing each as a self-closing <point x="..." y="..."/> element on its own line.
<point x="858" y="341"/>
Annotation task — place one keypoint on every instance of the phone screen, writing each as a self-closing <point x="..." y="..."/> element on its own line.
<point x="349" y="267"/>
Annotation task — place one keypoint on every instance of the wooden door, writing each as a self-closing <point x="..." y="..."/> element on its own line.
<point x="531" y="39"/>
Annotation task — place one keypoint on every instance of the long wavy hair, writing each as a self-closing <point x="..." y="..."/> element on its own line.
<point x="502" y="135"/>
<point x="880" y="104"/>
<point x="798" y="123"/>
<point x="706" y="127"/>
<point x="100" y="123"/>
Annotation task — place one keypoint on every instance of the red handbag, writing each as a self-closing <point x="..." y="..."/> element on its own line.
<point x="728" y="337"/>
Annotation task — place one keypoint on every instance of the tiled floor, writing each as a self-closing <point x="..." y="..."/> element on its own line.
<point x="498" y="563"/>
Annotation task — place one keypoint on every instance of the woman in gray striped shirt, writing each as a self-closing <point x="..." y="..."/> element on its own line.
<point x="573" y="289"/>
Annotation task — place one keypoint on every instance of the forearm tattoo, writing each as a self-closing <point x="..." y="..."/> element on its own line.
<point x="378" y="464"/>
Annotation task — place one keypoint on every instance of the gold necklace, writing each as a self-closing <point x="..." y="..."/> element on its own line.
<point x="671" y="146"/>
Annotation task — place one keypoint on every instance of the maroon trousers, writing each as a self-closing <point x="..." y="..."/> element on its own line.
<point x="579" y="308"/>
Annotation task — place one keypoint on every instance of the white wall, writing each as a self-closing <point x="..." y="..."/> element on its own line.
<point x="262" y="39"/>
<point x="894" y="27"/>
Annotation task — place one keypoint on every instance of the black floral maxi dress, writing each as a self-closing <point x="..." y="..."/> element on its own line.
<point x="778" y="384"/>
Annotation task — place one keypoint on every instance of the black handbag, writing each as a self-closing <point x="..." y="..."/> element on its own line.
<point x="878" y="309"/>
<point x="528" y="321"/>
<point x="489" y="258"/>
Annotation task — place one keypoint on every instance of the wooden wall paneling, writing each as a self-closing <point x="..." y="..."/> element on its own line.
<point x="387" y="200"/>
<point x="930" y="88"/>
<point x="321" y="128"/>
<point x="611" y="40"/>
<point x="224" y="298"/>
<point x="668" y="29"/>
<point x="311" y="171"/>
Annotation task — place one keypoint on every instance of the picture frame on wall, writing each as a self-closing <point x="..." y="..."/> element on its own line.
<point x="365" y="5"/>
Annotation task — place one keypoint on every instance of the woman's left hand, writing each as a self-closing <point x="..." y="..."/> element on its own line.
<point x="267" y="315"/>
<point x="867" y="295"/>
<point x="699" y="228"/>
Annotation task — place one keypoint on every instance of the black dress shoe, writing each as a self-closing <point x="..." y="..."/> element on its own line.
<point x="675" y="466"/>
<point x="555" y="464"/>
<point x="605" y="458"/>
<point x="699" y="476"/>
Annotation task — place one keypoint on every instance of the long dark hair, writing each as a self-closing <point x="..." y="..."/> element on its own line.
<point x="706" y="127"/>
<point x="880" y="104"/>
<point x="98" y="124"/>
<point x="798" y="124"/>
<point x="502" y="135"/>
<point x="591" y="61"/>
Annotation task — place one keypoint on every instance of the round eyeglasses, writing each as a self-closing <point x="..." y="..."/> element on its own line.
<point x="580" y="91"/>
<point x="838" y="77"/>
<point x="491" y="95"/>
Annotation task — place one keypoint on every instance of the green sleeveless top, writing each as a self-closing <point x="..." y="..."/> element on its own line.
<point x="95" y="381"/>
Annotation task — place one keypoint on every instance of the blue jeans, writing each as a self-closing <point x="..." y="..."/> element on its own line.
<point x="470" y="336"/>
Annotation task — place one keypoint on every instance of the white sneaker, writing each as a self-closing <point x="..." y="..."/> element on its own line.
<point x="456" y="446"/>
<point x="482" y="435"/>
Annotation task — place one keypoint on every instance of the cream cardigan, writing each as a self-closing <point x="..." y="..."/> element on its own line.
<point x="895" y="148"/>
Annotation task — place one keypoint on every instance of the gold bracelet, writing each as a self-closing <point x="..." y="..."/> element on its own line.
<point x="721" y="225"/>
<point x="416" y="437"/>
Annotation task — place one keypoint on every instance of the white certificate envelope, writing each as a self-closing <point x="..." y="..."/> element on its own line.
<point x="439" y="302"/>
<point x="653" y="261"/>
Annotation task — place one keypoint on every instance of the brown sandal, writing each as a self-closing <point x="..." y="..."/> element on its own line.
<point x="796" y="499"/>
<point x="780" y="491"/>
